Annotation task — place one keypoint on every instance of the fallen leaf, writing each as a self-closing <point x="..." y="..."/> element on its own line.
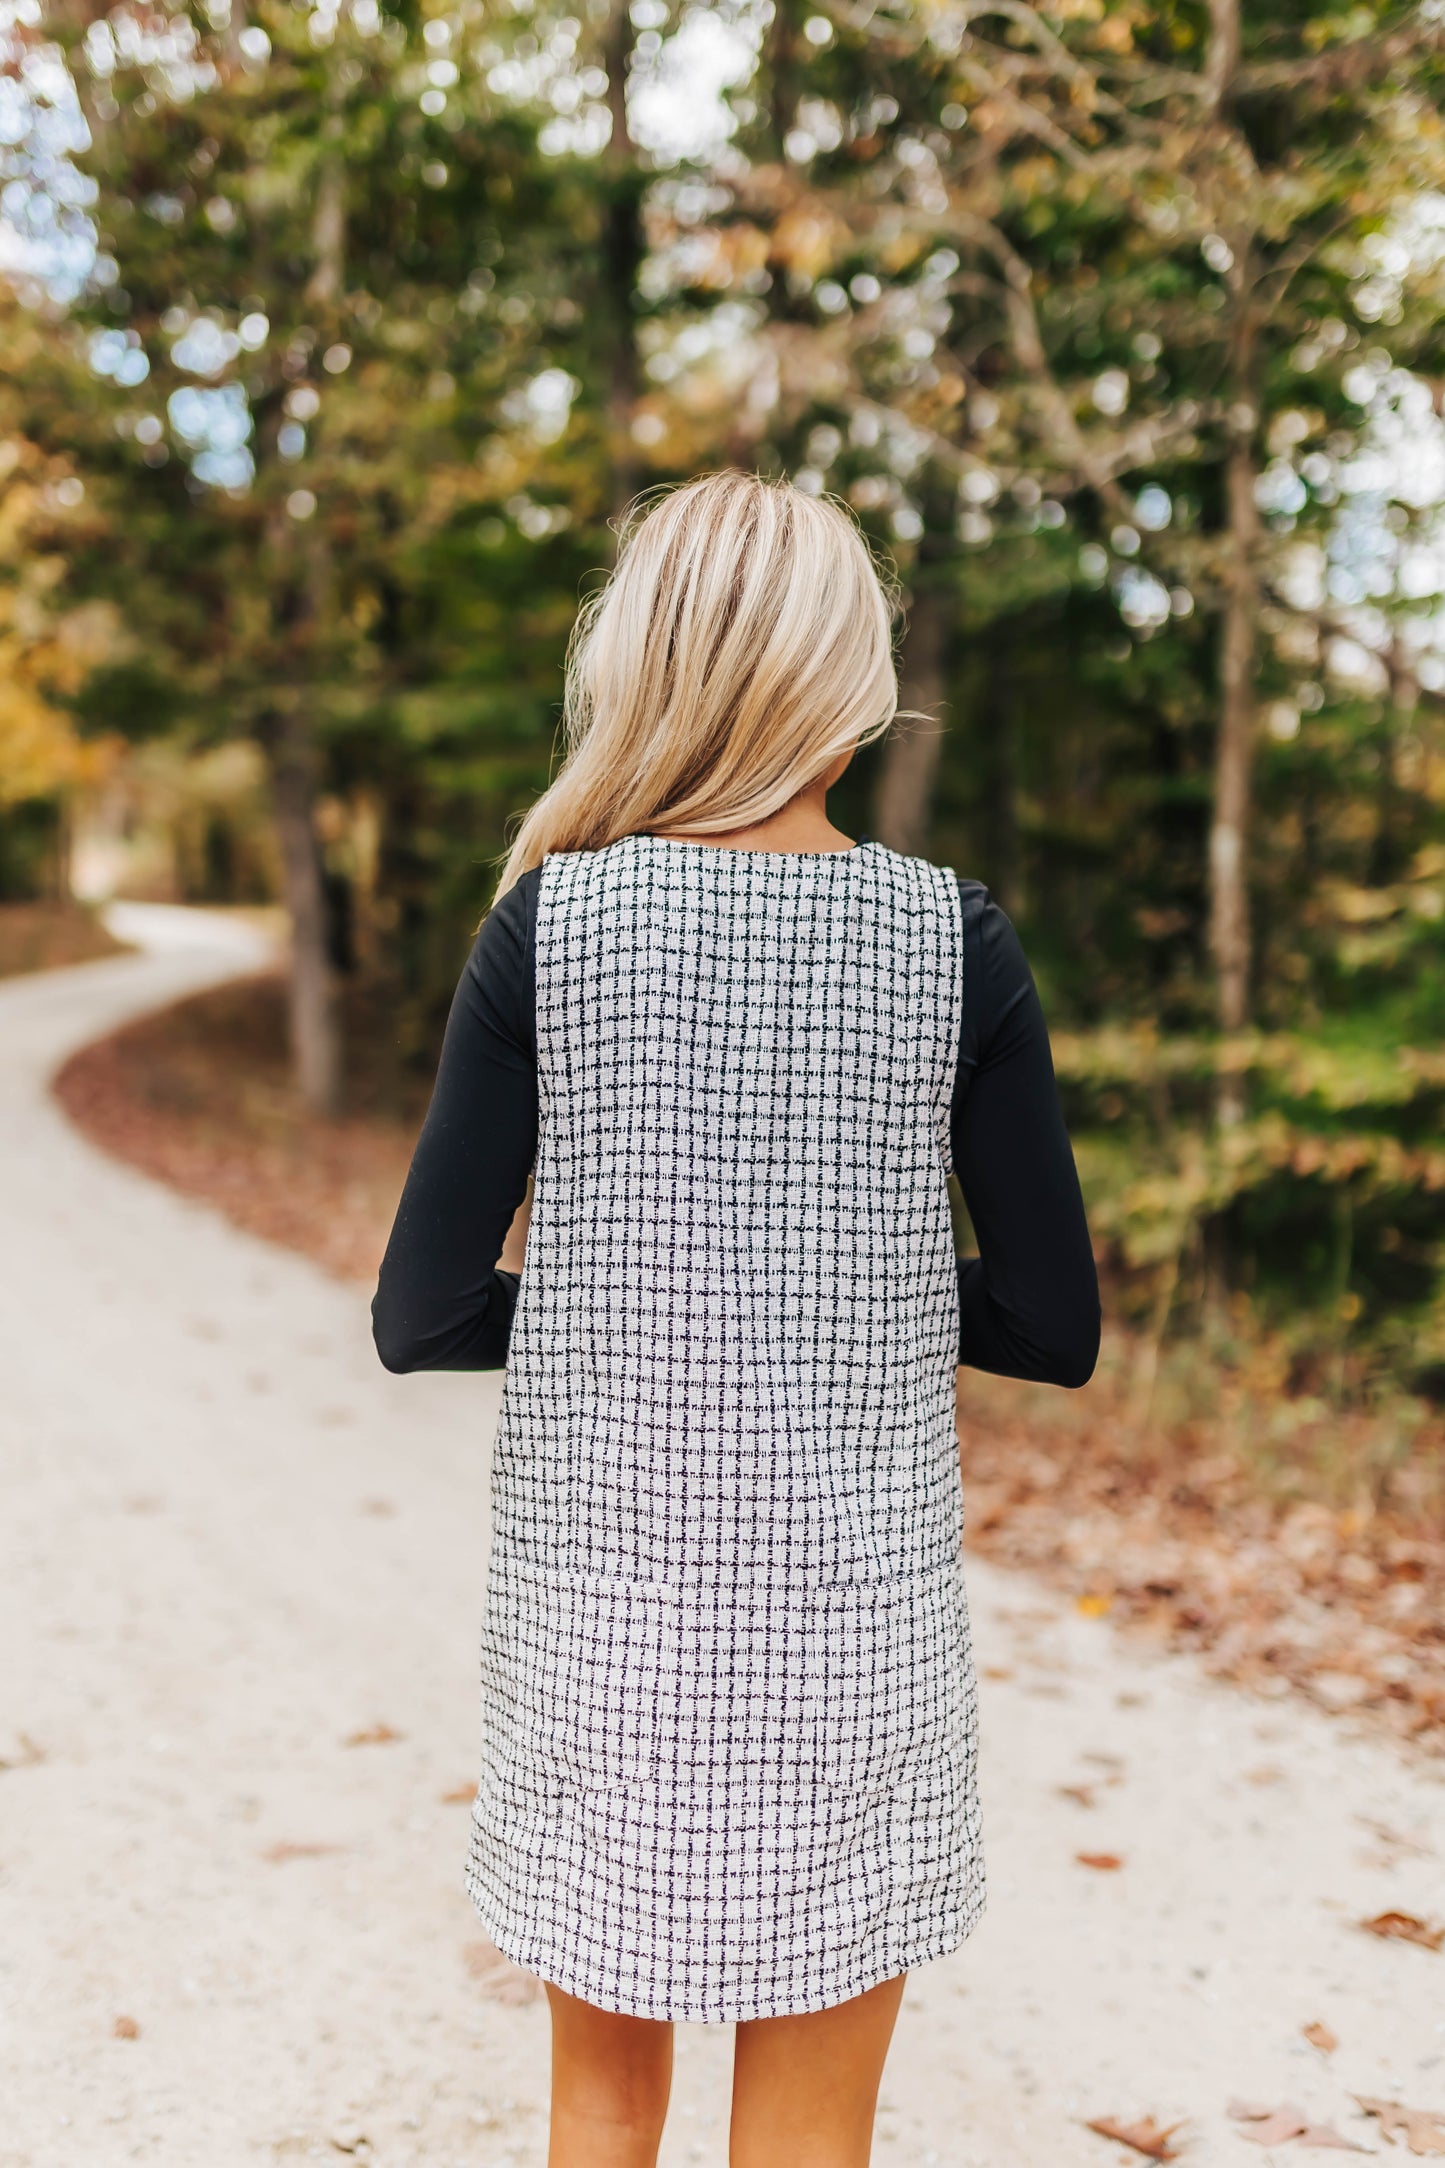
<point x="1144" y="2137"/>
<point x="1319" y="2036"/>
<point x="1272" y="2126"/>
<point x="1423" y="2129"/>
<point x="501" y="1980"/>
<point x="1082" y="1793"/>
<point x="373" y="1735"/>
<point x="1394" y="1840"/>
<point x="126" y="2028"/>
<point x="1094" y="1606"/>
<point x="291" y="1848"/>
<point x="1106" y="1862"/>
<point x="1277" y="2126"/>
<point x="1404" y="1927"/>
<point x="462" y="1796"/>
<point x="28" y="1756"/>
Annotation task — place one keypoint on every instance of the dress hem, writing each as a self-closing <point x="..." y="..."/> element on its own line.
<point x="943" y="1945"/>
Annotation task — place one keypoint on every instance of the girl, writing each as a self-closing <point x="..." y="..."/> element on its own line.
<point x="729" y="1719"/>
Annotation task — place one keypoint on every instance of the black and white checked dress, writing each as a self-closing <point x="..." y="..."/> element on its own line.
<point x="729" y="1713"/>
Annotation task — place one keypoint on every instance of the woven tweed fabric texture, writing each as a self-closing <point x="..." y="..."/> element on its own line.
<point x="728" y="1701"/>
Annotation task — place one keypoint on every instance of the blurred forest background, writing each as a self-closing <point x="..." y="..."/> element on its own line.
<point x="334" y="335"/>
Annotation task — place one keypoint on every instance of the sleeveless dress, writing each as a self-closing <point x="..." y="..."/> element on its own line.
<point x="728" y="1697"/>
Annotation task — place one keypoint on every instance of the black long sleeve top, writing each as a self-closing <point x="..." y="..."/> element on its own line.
<point x="1028" y="1302"/>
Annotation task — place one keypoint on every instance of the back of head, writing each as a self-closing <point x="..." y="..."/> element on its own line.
<point x="742" y="643"/>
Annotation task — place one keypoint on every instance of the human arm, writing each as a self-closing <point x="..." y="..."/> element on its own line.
<point x="443" y="1300"/>
<point x="1029" y="1301"/>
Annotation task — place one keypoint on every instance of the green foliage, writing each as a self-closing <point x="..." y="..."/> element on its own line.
<point x="29" y="850"/>
<point x="385" y="326"/>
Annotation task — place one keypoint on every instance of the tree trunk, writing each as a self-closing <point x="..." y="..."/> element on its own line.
<point x="328" y="213"/>
<point x="316" y="1053"/>
<point x="999" y="794"/>
<point x="304" y="615"/>
<point x="623" y="247"/>
<point x="903" y="802"/>
<point x="781" y="62"/>
<point x="286" y="734"/>
<point x="64" y="848"/>
<point x="1229" y="876"/>
<point x="1229" y="940"/>
<point x="903" y="799"/>
<point x="1390" y="847"/>
<point x="315" y="1038"/>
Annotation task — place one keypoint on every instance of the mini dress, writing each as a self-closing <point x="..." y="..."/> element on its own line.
<point x="729" y="1709"/>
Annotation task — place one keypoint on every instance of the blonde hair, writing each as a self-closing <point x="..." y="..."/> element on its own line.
<point x="742" y="642"/>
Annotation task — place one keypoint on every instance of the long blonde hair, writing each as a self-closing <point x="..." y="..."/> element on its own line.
<point x="742" y="642"/>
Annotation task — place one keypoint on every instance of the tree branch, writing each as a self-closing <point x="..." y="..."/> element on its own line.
<point x="1348" y="66"/>
<point x="1221" y="69"/>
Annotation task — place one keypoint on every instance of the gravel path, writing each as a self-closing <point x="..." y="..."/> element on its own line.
<point x="233" y="1547"/>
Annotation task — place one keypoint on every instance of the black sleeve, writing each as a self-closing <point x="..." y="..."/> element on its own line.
<point x="440" y="1302"/>
<point x="1029" y="1301"/>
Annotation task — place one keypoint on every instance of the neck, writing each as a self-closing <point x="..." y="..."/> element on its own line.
<point x="801" y="825"/>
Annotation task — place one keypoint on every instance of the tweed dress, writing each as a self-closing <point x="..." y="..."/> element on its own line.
<point x="728" y="1700"/>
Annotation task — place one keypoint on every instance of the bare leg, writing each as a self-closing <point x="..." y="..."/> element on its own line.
<point x="610" y="2080"/>
<point x="805" y="2088"/>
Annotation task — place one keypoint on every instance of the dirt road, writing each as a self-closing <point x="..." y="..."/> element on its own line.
<point x="240" y="1588"/>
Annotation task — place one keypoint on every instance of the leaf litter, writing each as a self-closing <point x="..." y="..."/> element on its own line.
<point x="1195" y="1543"/>
<point x="1170" y="1526"/>
<point x="1404" y="1927"/>
<point x="1423" y="2129"/>
<point x="29" y="1757"/>
<point x="1145" y="2136"/>
<point x="1280" y="2126"/>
